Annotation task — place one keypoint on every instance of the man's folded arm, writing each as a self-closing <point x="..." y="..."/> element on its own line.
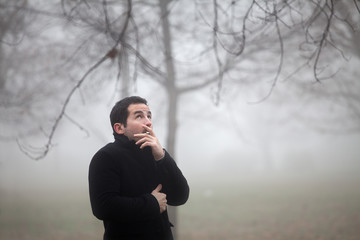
<point x="106" y="201"/>
<point x="174" y="183"/>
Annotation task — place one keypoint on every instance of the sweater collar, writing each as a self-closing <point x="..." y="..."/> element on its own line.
<point x="130" y="144"/>
<point x="124" y="140"/>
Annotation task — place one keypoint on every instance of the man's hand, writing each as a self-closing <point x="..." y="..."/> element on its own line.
<point x="160" y="197"/>
<point x="149" y="139"/>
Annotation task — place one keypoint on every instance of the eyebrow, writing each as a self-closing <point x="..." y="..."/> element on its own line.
<point x="140" y="111"/>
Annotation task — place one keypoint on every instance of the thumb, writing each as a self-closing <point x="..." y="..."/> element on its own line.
<point x="158" y="188"/>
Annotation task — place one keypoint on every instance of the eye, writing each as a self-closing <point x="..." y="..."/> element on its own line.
<point x="149" y="116"/>
<point x="138" y="116"/>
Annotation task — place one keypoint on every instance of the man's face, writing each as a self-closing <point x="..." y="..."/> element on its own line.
<point x="139" y="115"/>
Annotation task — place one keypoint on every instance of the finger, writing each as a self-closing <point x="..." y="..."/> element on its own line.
<point x="158" y="188"/>
<point x="142" y="146"/>
<point x="141" y="140"/>
<point x="149" y="129"/>
<point x="145" y="139"/>
<point x="141" y="135"/>
<point x="145" y="144"/>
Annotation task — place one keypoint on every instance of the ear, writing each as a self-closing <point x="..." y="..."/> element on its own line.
<point x="119" y="128"/>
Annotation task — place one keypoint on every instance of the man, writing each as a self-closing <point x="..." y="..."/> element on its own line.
<point x="132" y="179"/>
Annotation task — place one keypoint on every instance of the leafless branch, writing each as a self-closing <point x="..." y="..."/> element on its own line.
<point x="137" y="46"/>
<point x="147" y="65"/>
<point x="87" y="134"/>
<point x="107" y="23"/>
<point x="109" y="55"/>
<point x="44" y="151"/>
<point x="215" y="48"/>
<point x="198" y="86"/>
<point x="281" y="61"/>
<point x="357" y="5"/>
<point x="228" y="64"/>
<point x="32" y="10"/>
<point x="322" y="41"/>
<point x="225" y="42"/>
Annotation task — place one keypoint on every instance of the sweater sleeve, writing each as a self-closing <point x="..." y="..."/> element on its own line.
<point x="174" y="183"/>
<point x="106" y="201"/>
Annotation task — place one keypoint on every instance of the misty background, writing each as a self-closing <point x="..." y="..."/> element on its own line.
<point x="258" y="101"/>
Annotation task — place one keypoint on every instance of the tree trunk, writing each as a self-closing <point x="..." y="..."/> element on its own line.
<point x="2" y="69"/>
<point x="172" y="94"/>
<point x="124" y="71"/>
<point x="170" y="81"/>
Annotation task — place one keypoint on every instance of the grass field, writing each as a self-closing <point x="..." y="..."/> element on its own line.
<point x="247" y="208"/>
<point x="272" y="208"/>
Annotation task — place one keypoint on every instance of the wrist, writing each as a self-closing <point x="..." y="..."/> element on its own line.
<point x="161" y="156"/>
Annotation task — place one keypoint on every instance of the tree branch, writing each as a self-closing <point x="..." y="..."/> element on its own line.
<point x="357" y="6"/>
<point x="322" y="41"/>
<point x="217" y="58"/>
<point x="48" y="145"/>
<point x="109" y="55"/>
<point x="281" y="61"/>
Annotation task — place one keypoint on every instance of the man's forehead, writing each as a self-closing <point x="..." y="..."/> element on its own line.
<point x="134" y="108"/>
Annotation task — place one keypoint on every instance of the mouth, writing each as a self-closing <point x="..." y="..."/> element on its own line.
<point x="148" y="133"/>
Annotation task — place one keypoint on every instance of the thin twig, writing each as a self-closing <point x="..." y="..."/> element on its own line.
<point x="280" y="65"/>
<point x="77" y="124"/>
<point x="322" y="41"/>
<point x="357" y="6"/>
<point x="216" y="52"/>
<point x="62" y="112"/>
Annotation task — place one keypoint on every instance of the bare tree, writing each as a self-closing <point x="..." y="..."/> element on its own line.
<point x="183" y="49"/>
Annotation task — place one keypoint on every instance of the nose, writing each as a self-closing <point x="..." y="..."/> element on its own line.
<point x="148" y="122"/>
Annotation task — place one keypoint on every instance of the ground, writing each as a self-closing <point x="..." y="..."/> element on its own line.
<point x="257" y="207"/>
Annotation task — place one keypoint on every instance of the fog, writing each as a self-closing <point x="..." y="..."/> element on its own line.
<point x="275" y="156"/>
<point x="219" y="147"/>
<point x="211" y="143"/>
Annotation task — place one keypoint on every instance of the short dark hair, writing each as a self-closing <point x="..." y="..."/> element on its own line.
<point x="120" y="112"/>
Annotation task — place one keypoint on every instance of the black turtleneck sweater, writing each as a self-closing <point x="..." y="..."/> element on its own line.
<point x="121" y="179"/>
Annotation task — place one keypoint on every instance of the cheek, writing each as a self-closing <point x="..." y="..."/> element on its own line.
<point x="135" y="126"/>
